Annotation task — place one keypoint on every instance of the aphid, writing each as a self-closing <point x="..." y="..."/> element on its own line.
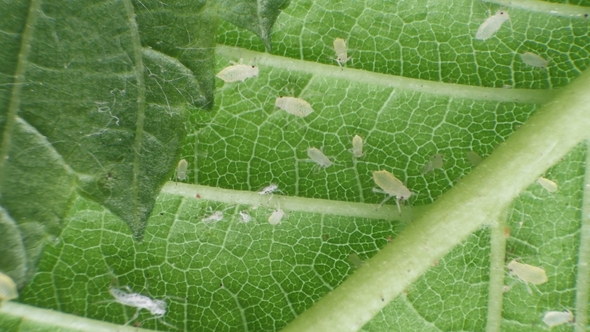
<point x="391" y="186"/>
<point x="435" y="162"/>
<point x="473" y="158"/>
<point x="555" y="318"/>
<point x="319" y="157"/>
<point x="357" y="146"/>
<point x="237" y="72"/>
<point x="534" y="60"/>
<point x="155" y="307"/>
<point x="245" y="216"/>
<point x="215" y="216"/>
<point x="270" y="189"/>
<point x="528" y="273"/>
<point x="489" y="27"/>
<point x="181" y="170"/>
<point x="7" y="288"/>
<point x="293" y="105"/>
<point x="549" y="185"/>
<point x="276" y="216"/>
<point x="341" y="51"/>
<point x="355" y="260"/>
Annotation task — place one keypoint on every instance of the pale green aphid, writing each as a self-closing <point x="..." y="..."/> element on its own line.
<point x="435" y="162"/>
<point x="355" y="260"/>
<point x="489" y="27"/>
<point x="237" y="72"/>
<point x="293" y="105"/>
<point x="391" y="186"/>
<point x="318" y="157"/>
<point x="555" y="318"/>
<point x="549" y="185"/>
<point x="276" y="216"/>
<point x="181" y="170"/>
<point x="341" y="51"/>
<point x="473" y="158"/>
<point x="534" y="60"/>
<point x="7" y="288"/>
<point x="528" y="273"/>
<point x="357" y="146"/>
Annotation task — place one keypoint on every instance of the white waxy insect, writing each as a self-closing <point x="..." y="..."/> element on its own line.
<point x="276" y="216"/>
<point x="341" y="51"/>
<point x="357" y="146"/>
<point x="270" y="189"/>
<point x="245" y="216"/>
<point x="534" y="60"/>
<point x="181" y="170"/>
<point x="391" y="186"/>
<point x="435" y="162"/>
<point x="155" y="307"/>
<point x="355" y="260"/>
<point x="473" y="158"/>
<point x="7" y="288"/>
<point x="214" y="217"/>
<point x="293" y="105"/>
<point x="237" y="72"/>
<point x="528" y="273"/>
<point x="555" y="318"/>
<point x="549" y="185"/>
<point x="489" y="27"/>
<point x="319" y="157"/>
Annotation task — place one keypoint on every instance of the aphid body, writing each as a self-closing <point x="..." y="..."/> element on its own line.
<point x="237" y="72"/>
<point x="391" y="186"/>
<point x="435" y="162"/>
<point x="155" y="307"/>
<point x="293" y="105"/>
<point x="341" y="51"/>
<point x="549" y="185"/>
<point x="534" y="60"/>
<point x="555" y="318"/>
<point x="181" y="170"/>
<point x="357" y="146"/>
<point x="318" y="157"/>
<point x="528" y="273"/>
<point x="276" y="216"/>
<point x="245" y="216"/>
<point x="473" y="158"/>
<point x="270" y="189"/>
<point x="355" y="260"/>
<point x="489" y="27"/>
<point x="216" y="216"/>
<point x="7" y="288"/>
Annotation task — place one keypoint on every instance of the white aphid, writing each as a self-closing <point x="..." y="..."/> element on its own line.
<point x="473" y="158"/>
<point x="534" y="60"/>
<point x="276" y="216"/>
<point x="270" y="189"/>
<point x="528" y="273"/>
<point x="357" y="146"/>
<point x="155" y="307"/>
<point x="319" y="157"/>
<point x="435" y="162"/>
<point x="237" y="72"/>
<point x="293" y="105"/>
<point x="7" y="288"/>
<point x="245" y="216"/>
<point x="391" y="186"/>
<point x="355" y="260"/>
<point x="555" y="318"/>
<point x="181" y="170"/>
<point x="341" y="51"/>
<point x="215" y="216"/>
<point x="489" y="27"/>
<point x="549" y="185"/>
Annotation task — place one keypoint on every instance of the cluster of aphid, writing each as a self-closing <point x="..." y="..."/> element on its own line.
<point x="490" y="26"/>
<point x="537" y="276"/>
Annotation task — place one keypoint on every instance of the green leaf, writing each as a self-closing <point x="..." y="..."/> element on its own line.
<point x="418" y="85"/>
